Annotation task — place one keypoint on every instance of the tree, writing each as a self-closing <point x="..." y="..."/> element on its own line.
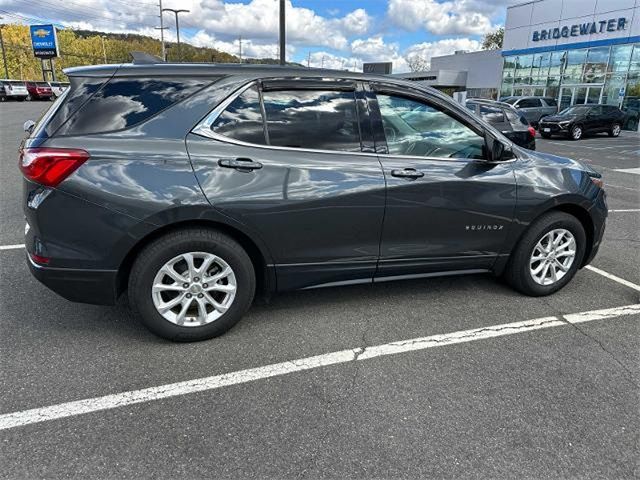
<point x="493" y="40"/>
<point x="417" y="64"/>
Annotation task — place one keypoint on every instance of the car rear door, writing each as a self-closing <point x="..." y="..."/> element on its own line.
<point x="293" y="162"/>
<point x="447" y="209"/>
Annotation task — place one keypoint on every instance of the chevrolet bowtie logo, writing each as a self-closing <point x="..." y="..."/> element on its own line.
<point x="41" y="33"/>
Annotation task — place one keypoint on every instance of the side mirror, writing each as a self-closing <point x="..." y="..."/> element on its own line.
<point x="495" y="150"/>
<point x="28" y="126"/>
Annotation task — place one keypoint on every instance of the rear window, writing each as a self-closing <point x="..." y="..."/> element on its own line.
<point x="314" y="119"/>
<point x="529" y="103"/>
<point x="124" y="102"/>
<point x="42" y="84"/>
<point x="491" y="114"/>
<point x="13" y="83"/>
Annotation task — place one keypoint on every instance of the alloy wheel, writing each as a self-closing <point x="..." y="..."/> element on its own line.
<point x="194" y="289"/>
<point x="615" y="130"/>
<point x="576" y="133"/>
<point x="552" y="256"/>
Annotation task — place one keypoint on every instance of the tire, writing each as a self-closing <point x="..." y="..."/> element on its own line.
<point x="545" y="135"/>
<point x="614" y="131"/>
<point x="202" y="241"/>
<point x="518" y="272"/>
<point x="576" y="132"/>
<point x="28" y="98"/>
<point x="3" y="99"/>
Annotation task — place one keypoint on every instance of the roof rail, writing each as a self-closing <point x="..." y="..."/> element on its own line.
<point x="144" y="58"/>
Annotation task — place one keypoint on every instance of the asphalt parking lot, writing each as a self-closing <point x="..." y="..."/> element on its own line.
<point x="555" y="395"/>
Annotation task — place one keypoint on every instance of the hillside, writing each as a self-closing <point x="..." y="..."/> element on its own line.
<point x="82" y="47"/>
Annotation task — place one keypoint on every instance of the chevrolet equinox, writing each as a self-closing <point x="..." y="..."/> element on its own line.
<point x="195" y="188"/>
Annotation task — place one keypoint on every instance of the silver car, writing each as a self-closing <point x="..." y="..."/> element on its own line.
<point x="534" y="108"/>
<point x="12" y="90"/>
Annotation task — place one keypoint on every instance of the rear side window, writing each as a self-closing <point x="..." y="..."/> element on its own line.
<point x="551" y="102"/>
<point x="242" y="119"/>
<point x="314" y="119"/>
<point x="529" y="103"/>
<point x="124" y="102"/>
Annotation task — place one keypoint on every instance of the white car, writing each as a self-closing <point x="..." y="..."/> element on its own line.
<point x="58" y="87"/>
<point x="12" y="90"/>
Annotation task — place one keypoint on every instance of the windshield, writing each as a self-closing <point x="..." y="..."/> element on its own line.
<point x="575" y="110"/>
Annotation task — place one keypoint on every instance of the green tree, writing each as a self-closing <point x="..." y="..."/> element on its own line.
<point x="493" y="40"/>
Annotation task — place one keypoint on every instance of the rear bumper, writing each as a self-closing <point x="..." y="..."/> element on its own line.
<point x="97" y="287"/>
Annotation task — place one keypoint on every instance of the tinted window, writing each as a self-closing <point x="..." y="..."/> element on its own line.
<point x="491" y="114"/>
<point x="551" y="102"/>
<point x="79" y="93"/>
<point x="124" y="102"/>
<point x="324" y="120"/>
<point x="595" y="111"/>
<point x="529" y="103"/>
<point x="515" y="117"/>
<point x="417" y="129"/>
<point x="242" y="119"/>
<point x="471" y="106"/>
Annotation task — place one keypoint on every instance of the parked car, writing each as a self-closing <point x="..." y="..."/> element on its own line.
<point x="195" y="188"/>
<point x="534" y="108"/>
<point x="576" y="121"/>
<point x="39" y="91"/>
<point x="505" y="118"/>
<point x="12" y="90"/>
<point x="58" y="87"/>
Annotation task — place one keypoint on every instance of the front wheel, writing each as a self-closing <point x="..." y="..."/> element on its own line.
<point x="576" y="132"/>
<point x="191" y="284"/>
<point x="615" y="129"/>
<point x="548" y="255"/>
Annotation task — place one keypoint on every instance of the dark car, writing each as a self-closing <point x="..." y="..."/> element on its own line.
<point x="39" y="91"/>
<point x="505" y="118"/>
<point x="196" y="187"/>
<point x="534" y="108"/>
<point x="579" y="120"/>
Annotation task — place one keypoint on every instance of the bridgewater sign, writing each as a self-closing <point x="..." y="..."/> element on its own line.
<point x="580" y="29"/>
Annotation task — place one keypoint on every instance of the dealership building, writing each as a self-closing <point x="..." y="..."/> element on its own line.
<point x="577" y="51"/>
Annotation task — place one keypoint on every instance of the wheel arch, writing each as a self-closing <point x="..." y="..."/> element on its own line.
<point x="265" y="277"/>
<point x="573" y="209"/>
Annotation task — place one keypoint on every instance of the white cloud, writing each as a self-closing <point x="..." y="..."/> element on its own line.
<point x="427" y="50"/>
<point x="451" y="17"/>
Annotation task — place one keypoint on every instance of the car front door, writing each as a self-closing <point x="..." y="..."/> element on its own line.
<point x="532" y="109"/>
<point x="594" y="121"/>
<point x="288" y="161"/>
<point x="447" y="208"/>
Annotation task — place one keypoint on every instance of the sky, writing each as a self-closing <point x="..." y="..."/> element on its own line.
<point x="331" y="33"/>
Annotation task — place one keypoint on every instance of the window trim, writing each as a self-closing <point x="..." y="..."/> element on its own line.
<point x="203" y="128"/>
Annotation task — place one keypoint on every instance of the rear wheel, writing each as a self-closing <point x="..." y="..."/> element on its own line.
<point x="548" y="255"/>
<point x="29" y="98"/>
<point x="576" y="132"/>
<point x="191" y="285"/>
<point x="615" y="129"/>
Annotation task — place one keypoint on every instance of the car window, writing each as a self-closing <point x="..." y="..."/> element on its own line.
<point x="491" y="114"/>
<point x="124" y="102"/>
<point x="551" y="102"/>
<point x="595" y="111"/>
<point x="242" y="119"/>
<point x="314" y="119"/>
<point x="471" y="106"/>
<point x="418" y="129"/>
<point x="529" y="103"/>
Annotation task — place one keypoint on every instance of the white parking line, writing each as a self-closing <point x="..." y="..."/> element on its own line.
<point x="11" y="247"/>
<point x="629" y="170"/>
<point x="80" y="407"/>
<point x="610" y="276"/>
<point x="625" y="210"/>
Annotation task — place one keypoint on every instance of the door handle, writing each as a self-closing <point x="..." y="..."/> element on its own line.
<point x="410" y="173"/>
<point x="242" y="164"/>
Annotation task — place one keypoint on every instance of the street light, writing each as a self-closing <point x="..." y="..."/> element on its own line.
<point x="176" y="12"/>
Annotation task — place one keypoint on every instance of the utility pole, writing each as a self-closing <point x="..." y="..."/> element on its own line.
<point x="283" y="53"/>
<point x="176" y="12"/>
<point x="162" y="28"/>
<point x="309" y="59"/>
<point x="4" y="54"/>
<point x="240" y="47"/>
<point x="104" y="50"/>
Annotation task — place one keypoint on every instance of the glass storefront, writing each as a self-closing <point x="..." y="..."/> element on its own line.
<point x="608" y="75"/>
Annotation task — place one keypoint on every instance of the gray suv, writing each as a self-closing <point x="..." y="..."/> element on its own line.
<point x="534" y="108"/>
<point x="194" y="188"/>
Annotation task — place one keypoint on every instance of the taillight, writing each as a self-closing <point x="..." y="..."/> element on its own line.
<point x="39" y="259"/>
<point x="50" y="166"/>
<point x="532" y="131"/>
